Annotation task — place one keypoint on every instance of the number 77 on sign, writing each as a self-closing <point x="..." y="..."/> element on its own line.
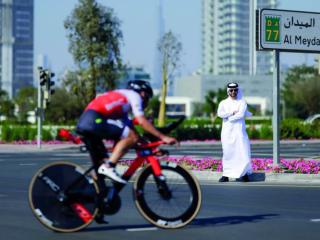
<point x="272" y="29"/>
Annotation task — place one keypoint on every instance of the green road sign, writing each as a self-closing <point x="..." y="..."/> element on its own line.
<point x="272" y="29"/>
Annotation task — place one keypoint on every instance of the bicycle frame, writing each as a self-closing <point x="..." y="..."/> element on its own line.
<point x="145" y="153"/>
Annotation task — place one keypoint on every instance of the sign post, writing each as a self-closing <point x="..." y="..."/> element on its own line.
<point x="39" y="108"/>
<point x="290" y="31"/>
<point x="275" y="107"/>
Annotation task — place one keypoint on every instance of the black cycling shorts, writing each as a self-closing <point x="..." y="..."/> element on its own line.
<point x="94" y="127"/>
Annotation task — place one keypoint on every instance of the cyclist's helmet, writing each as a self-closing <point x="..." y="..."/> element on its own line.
<point x="139" y="86"/>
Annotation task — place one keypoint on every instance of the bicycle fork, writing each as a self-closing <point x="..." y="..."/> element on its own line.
<point x="163" y="188"/>
<point x="160" y="179"/>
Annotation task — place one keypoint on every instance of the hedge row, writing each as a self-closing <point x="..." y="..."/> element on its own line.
<point x="189" y="130"/>
<point x="289" y="129"/>
<point x="28" y="133"/>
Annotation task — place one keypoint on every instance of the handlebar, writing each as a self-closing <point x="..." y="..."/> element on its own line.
<point x="150" y="145"/>
<point x="165" y="130"/>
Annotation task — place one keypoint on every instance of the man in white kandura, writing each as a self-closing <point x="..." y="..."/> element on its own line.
<point x="236" y="160"/>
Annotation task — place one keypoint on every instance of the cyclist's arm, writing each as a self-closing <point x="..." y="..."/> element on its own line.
<point x="137" y="110"/>
<point x="147" y="126"/>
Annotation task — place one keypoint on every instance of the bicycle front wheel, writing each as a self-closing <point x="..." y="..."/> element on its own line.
<point x="62" y="198"/>
<point x="174" y="210"/>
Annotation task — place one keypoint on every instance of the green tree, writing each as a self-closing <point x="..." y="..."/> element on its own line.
<point x="76" y="84"/>
<point x="153" y="107"/>
<point x="198" y="109"/>
<point x="26" y="100"/>
<point x="63" y="107"/>
<point x="300" y="92"/>
<point x="170" y="49"/>
<point x="6" y="105"/>
<point x="94" y="34"/>
<point x="212" y="100"/>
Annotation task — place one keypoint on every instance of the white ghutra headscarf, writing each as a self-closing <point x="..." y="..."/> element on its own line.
<point x="234" y="85"/>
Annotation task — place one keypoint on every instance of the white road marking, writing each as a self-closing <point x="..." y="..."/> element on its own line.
<point x="202" y="151"/>
<point x="253" y="184"/>
<point x="69" y="154"/>
<point x="315" y="220"/>
<point x="282" y="155"/>
<point x="27" y="164"/>
<point x="141" y="229"/>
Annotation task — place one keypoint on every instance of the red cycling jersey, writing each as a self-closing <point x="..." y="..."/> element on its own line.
<point x="117" y="104"/>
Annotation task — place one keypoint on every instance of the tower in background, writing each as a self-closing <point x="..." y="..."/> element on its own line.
<point x="228" y="38"/>
<point x="16" y="45"/>
<point x="157" y="76"/>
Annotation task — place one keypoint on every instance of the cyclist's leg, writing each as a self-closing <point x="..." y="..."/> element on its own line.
<point x="114" y="129"/>
<point x="123" y="145"/>
<point x="97" y="153"/>
<point x="96" y="149"/>
<point x="92" y="130"/>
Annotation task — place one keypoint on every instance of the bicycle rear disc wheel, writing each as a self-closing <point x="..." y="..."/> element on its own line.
<point x="172" y="212"/>
<point x="59" y="210"/>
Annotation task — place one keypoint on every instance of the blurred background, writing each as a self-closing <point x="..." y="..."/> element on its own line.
<point x="105" y="43"/>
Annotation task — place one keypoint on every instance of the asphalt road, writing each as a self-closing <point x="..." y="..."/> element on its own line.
<point x="258" y="150"/>
<point x="229" y="211"/>
<point x="288" y="150"/>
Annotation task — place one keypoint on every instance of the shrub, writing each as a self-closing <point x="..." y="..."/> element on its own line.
<point x="253" y="133"/>
<point x="196" y="133"/>
<point x="295" y="129"/>
<point x="32" y="134"/>
<point x="46" y="135"/>
<point x="5" y="133"/>
<point x="315" y="129"/>
<point x="266" y="132"/>
<point x="19" y="133"/>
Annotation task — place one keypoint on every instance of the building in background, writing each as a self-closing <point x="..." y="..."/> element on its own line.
<point x="257" y="90"/>
<point x="228" y="38"/>
<point x="133" y="73"/>
<point x="16" y="45"/>
<point x="229" y="54"/>
<point x="179" y="106"/>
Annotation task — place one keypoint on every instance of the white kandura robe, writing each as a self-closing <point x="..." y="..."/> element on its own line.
<point x="236" y="160"/>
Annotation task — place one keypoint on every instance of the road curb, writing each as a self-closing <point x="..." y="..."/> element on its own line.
<point x="262" y="177"/>
<point x="293" y="178"/>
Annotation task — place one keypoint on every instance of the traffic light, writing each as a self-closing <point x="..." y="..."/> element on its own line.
<point x="48" y="90"/>
<point x="46" y="84"/>
<point x="50" y="83"/>
<point x="42" y="77"/>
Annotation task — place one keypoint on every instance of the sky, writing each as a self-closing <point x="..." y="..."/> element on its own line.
<point x="139" y="25"/>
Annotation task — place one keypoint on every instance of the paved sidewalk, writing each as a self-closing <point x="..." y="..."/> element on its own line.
<point x="34" y="147"/>
<point x="68" y="145"/>
<point x="261" y="177"/>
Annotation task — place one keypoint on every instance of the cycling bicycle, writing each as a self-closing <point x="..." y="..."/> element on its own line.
<point x="66" y="198"/>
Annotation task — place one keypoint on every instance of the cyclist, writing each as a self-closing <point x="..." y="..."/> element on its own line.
<point x="106" y="117"/>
